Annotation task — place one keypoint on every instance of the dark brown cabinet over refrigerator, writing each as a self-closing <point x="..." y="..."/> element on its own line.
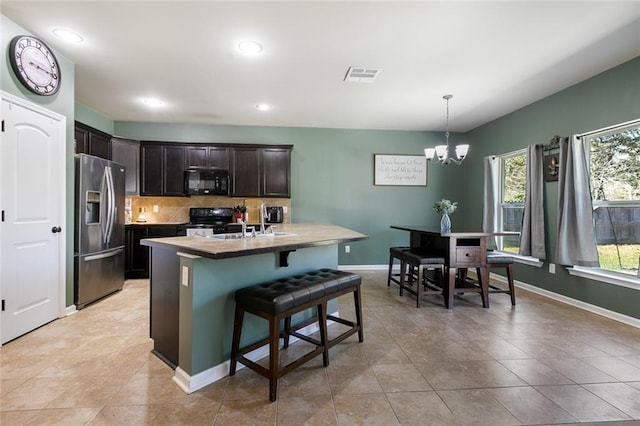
<point x="99" y="228"/>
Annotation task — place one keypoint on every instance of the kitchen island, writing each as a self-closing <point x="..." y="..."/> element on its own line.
<point x="193" y="281"/>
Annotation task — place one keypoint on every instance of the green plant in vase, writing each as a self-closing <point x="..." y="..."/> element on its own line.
<point x="445" y="208"/>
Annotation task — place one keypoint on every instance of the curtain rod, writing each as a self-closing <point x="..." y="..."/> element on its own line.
<point x="554" y="143"/>
<point x="604" y="129"/>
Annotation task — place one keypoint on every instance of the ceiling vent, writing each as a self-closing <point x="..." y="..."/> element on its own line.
<point x="361" y="75"/>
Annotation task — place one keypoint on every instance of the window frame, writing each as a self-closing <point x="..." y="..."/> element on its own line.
<point x="501" y="203"/>
<point x="599" y="273"/>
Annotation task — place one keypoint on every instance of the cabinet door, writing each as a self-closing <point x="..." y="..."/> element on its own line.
<point x="127" y="152"/>
<point x="196" y="157"/>
<point x="245" y="172"/>
<point x="206" y="157"/>
<point x="81" y="140"/>
<point x="173" y="170"/>
<point x="151" y="170"/>
<point x="276" y="166"/>
<point x="162" y="231"/>
<point x="218" y="158"/>
<point x="100" y="145"/>
<point x="138" y="255"/>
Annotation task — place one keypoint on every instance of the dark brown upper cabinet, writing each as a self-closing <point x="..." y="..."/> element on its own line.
<point x="92" y="141"/>
<point x="207" y="157"/>
<point x="127" y="152"/>
<point x="276" y="172"/>
<point x="162" y="169"/>
<point x="261" y="172"/>
<point x="245" y="172"/>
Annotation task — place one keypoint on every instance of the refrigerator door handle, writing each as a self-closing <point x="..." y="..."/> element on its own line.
<point x="110" y="204"/>
<point x="104" y="207"/>
<point x="102" y="255"/>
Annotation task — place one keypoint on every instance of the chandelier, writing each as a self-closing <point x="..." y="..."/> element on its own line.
<point x="442" y="151"/>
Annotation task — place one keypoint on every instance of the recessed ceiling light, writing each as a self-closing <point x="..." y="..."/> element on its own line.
<point x="68" y="35"/>
<point x="249" y="47"/>
<point x="263" y="107"/>
<point x="153" y="102"/>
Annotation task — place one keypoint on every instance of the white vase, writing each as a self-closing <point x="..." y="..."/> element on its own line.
<point x="445" y="223"/>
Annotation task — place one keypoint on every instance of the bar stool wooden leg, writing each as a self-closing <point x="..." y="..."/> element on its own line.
<point x="403" y="275"/>
<point x="358" y="308"/>
<point x="235" y="343"/>
<point x="287" y="329"/>
<point x="419" y="285"/>
<point x="512" y="291"/>
<point x="274" y="337"/>
<point x="324" y="336"/>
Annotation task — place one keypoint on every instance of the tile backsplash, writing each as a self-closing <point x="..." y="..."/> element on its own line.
<point x="176" y="209"/>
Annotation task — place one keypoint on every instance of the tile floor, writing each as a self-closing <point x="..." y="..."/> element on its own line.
<point x="538" y="363"/>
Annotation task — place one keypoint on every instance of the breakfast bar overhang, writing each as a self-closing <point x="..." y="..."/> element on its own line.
<point x="193" y="281"/>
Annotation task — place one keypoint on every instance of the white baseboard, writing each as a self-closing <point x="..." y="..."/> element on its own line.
<point x="625" y="319"/>
<point x="70" y="310"/>
<point x="193" y="383"/>
<point x="367" y="267"/>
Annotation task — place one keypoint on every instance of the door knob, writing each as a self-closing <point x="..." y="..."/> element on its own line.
<point x="56" y="229"/>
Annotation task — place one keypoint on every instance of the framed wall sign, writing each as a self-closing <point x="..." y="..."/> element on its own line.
<point x="399" y="170"/>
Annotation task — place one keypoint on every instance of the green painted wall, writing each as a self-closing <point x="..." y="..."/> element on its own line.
<point x="608" y="98"/>
<point x="332" y="177"/>
<point x="92" y="118"/>
<point x="62" y="103"/>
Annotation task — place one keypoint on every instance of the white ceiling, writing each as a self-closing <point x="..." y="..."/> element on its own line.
<point x="494" y="57"/>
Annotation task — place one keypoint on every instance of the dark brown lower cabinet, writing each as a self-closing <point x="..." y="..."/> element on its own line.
<point x="136" y="255"/>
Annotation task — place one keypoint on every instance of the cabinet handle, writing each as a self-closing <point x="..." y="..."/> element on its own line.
<point x="56" y="229"/>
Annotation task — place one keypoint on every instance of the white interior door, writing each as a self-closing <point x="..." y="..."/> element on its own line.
<point x="32" y="191"/>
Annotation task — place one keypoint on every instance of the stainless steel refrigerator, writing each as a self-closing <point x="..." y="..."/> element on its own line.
<point x="99" y="228"/>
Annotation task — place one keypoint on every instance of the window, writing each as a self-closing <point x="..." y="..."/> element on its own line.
<point x="513" y="178"/>
<point x="614" y="168"/>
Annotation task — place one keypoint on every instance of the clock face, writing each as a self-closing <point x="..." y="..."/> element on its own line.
<point x="35" y="65"/>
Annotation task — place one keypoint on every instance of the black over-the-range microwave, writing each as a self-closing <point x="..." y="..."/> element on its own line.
<point x="206" y="182"/>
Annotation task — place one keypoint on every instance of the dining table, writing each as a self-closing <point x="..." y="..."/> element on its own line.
<point x="462" y="249"/>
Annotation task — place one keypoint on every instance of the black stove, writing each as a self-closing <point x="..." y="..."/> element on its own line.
<point x="214" y="218"/>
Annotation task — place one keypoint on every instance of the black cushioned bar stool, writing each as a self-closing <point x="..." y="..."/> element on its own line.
<point x="395" y="253"/>
<point x="278" y="300"/>
<point x="421" y="261"/>
<point x="501" y="261"/>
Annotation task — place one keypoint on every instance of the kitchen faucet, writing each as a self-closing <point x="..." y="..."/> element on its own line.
<point x="244" y="228"/>
<point x="263" y="214"/>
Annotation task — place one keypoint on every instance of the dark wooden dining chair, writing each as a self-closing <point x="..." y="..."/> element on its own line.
<point x="421" y="261"/>
<point x="495" y="261"/>
<point x="395" y="253"/>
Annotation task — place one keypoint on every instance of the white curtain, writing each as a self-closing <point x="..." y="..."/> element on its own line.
<point x="532" y="236"/>
<point x="576" y="243"/>
<point x="490" y="205"/>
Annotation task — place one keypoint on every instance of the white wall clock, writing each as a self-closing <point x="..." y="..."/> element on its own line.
<point x="35" y="65"/>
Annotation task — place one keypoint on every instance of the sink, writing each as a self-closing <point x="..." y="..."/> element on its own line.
<point x="238" y="235"/>
<point x="232" y="236"/>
